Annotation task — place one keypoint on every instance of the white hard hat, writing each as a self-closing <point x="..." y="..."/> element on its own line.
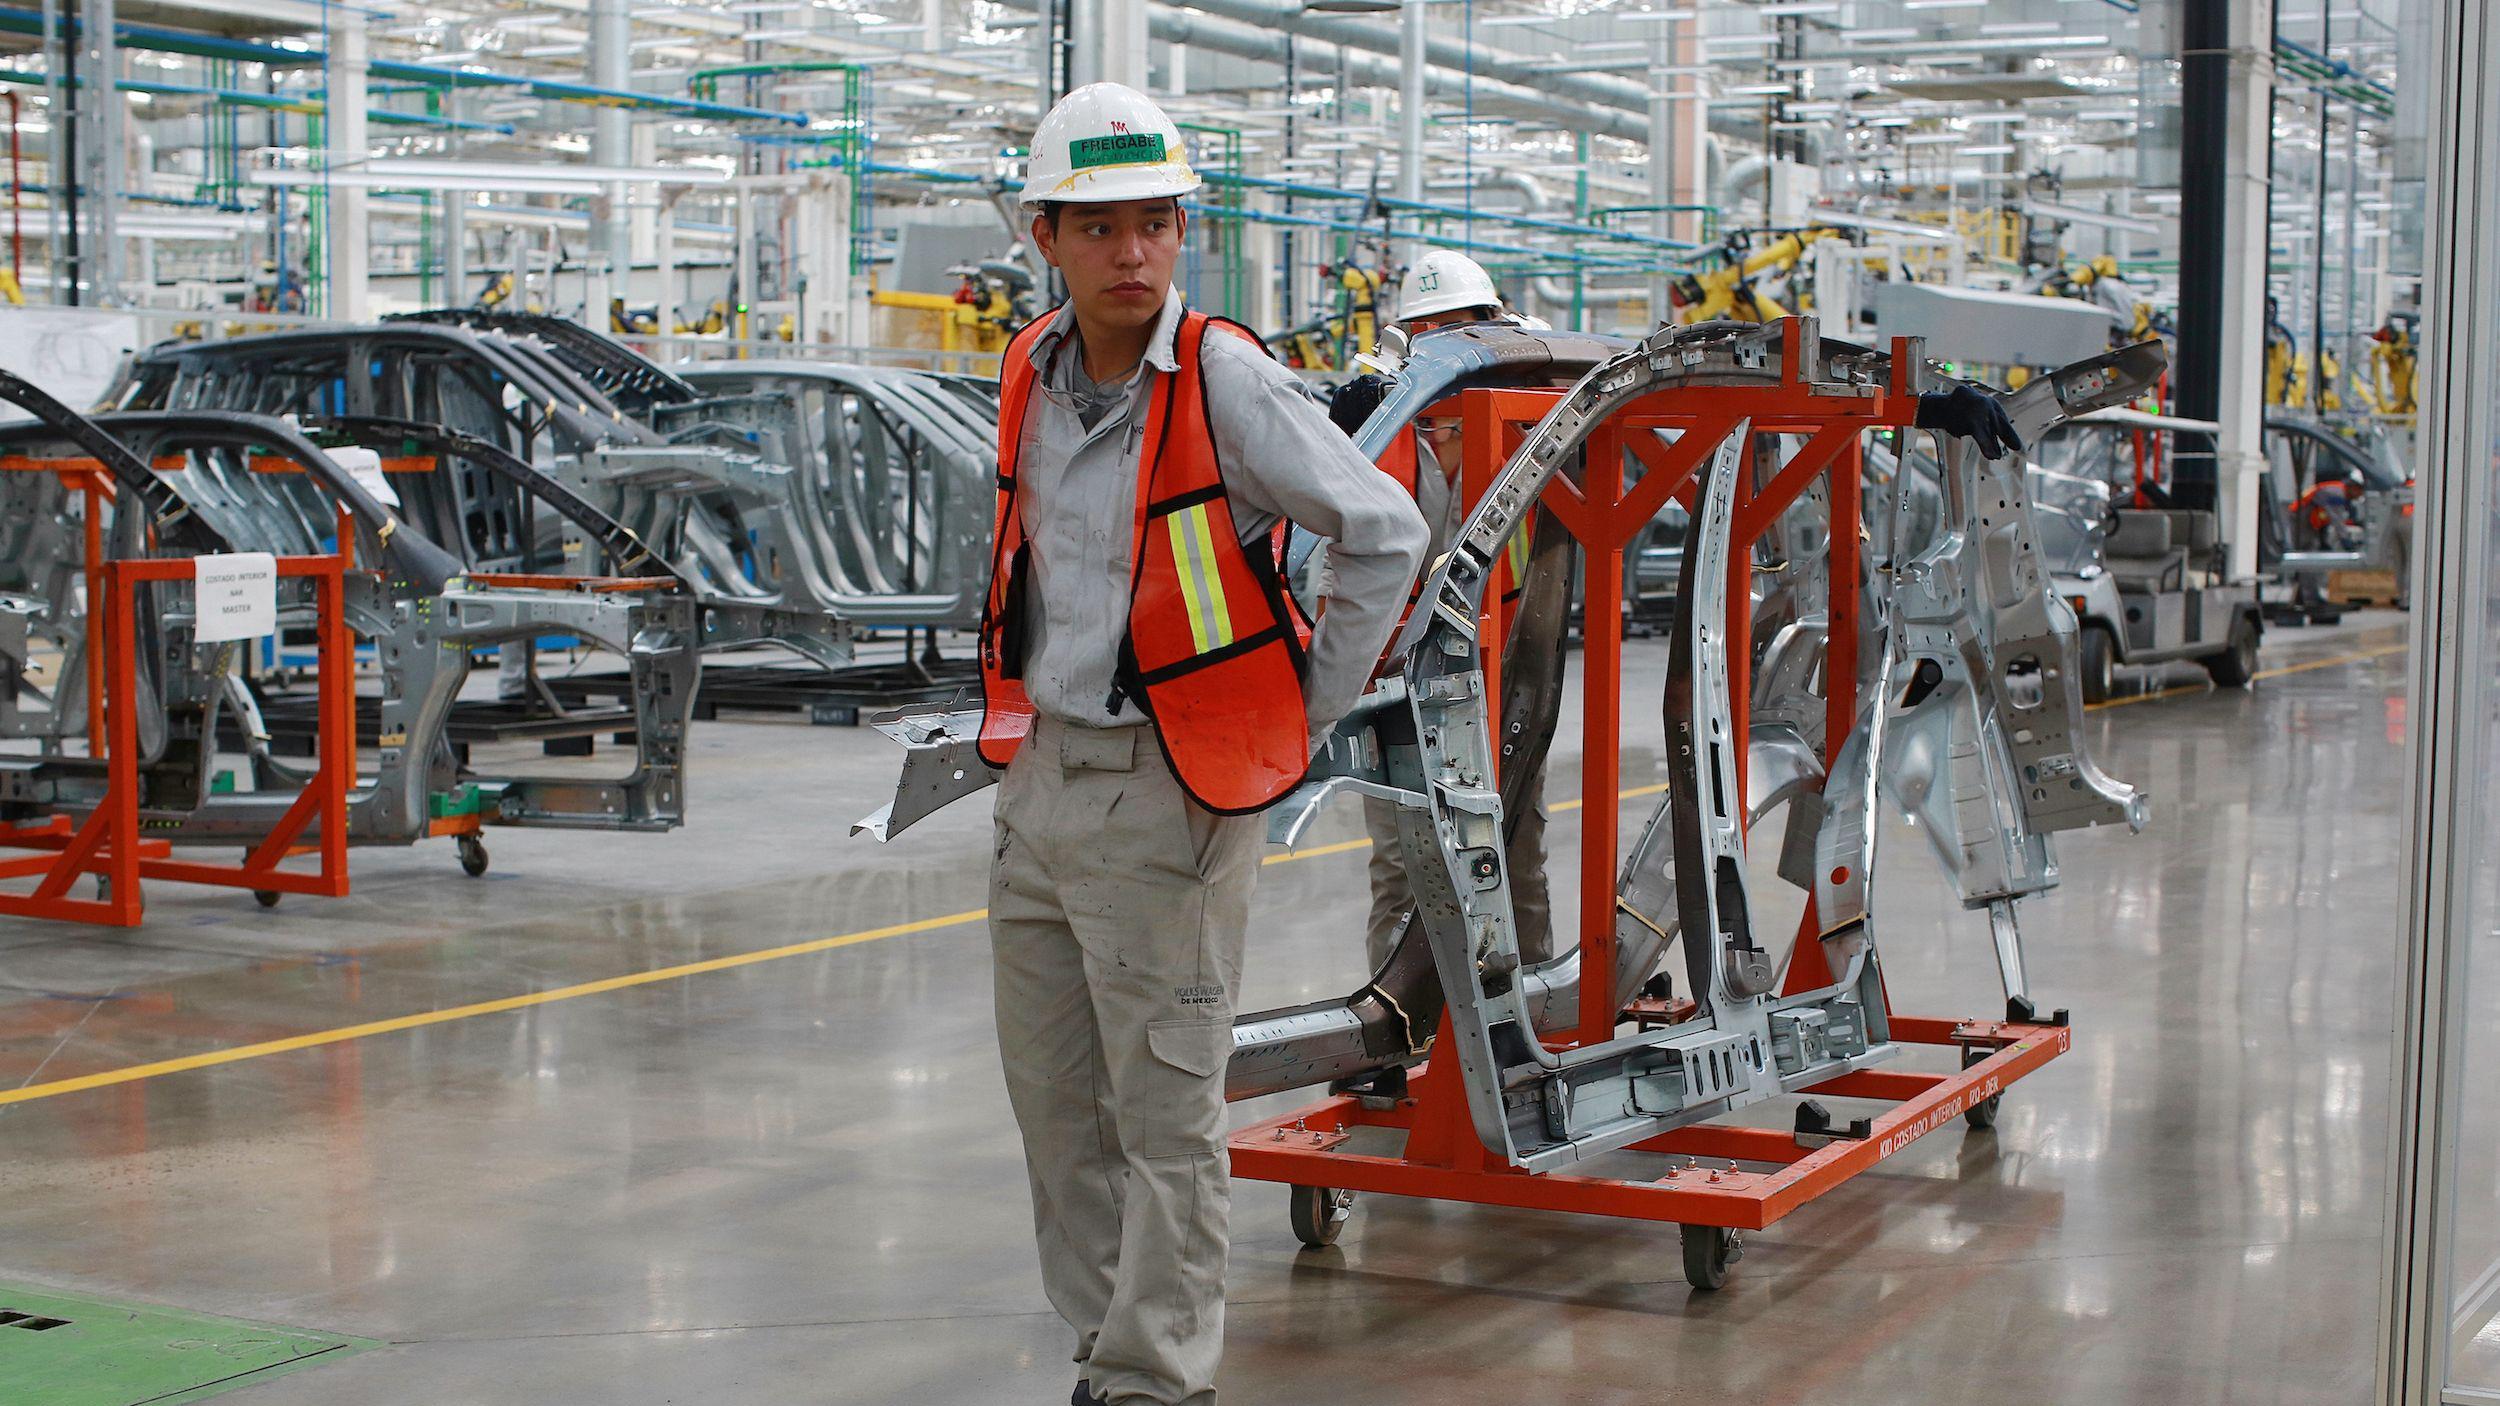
<point x="1444" y="280"/>
<point x="1103" y="143"/>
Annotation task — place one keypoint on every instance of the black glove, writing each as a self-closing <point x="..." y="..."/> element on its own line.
<point x="1973" y="414"/>
<point x="1353" y="403"/>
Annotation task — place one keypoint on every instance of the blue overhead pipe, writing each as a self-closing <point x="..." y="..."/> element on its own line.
<point x="313" y="103"/>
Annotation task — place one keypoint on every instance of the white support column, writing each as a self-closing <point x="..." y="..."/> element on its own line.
<point x="2241" y="461"/>
<point x="1045" y="61"/>
<point x="1662" y="153"/>
<point x="1108" y="43"/>
<point x="845" y="298"/>
<point x="1413" y="37"/>
<point x="57" y="102"/>
<point x="2438" y="1247"/>
<point x="834" y="290"/>
<point x="664" y="256"/>
<point x="1263" y="250"/>
<point x="347" y="241"/>
<point x="642" y="214"/>
<point x="806" y="231"/>
<point x="1690" y="184"/>
<point x="102" y="117"/>
<point x="456" y="249"/>
<point x="611" y="142"/>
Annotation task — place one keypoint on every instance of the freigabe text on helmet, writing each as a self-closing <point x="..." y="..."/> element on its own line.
<point x="1117" y="150"/>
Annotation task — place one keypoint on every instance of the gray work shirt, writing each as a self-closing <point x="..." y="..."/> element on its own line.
<point x="1282" y="460"/>
<point x="1436" y="499"/>
<point x="1436" y="496"/>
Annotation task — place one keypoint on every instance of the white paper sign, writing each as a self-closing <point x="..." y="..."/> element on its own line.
<point x="237" y="594"/>
<point x="365" y="466"/>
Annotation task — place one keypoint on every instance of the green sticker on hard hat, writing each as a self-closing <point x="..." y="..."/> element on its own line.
<point x="1118" y="149"/>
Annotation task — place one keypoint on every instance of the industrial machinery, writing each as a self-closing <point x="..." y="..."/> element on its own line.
<point x="2394" y="364"/>
<point x="2348" y="504"/>
<point x="2150" y="581"/>
<point x="2098" y="281"/>
<point x="1943" y="677"/>
<point x="1737" y="288"/>
<point x="1332" y="340"/>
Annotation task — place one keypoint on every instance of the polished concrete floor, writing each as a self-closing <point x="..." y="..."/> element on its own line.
<point x="794" y="1180"/>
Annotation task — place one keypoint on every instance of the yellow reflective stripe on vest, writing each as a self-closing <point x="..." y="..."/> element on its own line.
<point x="1519" y="556"/>
<point x="1202" y="586"/>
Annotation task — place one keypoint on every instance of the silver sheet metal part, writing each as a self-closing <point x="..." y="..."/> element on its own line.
<point x="412" y="599"/>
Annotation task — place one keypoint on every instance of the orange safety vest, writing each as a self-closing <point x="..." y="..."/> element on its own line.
<point x="1402" y="462"/>
<point x="1212" y="656"/>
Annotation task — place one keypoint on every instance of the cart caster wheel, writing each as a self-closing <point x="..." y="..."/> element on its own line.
<point x="472" y="856"/>
<point x="1981" y="1116"/>
<point x="1709" y="1251"/>
<point x="1318" y="1213"/>
<point x="266" y="898"/>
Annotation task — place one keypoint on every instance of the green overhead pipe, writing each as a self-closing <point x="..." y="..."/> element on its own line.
<point x="275" y="102"/>
<point x="579" y="93"/>
<point x="706" y="81"/>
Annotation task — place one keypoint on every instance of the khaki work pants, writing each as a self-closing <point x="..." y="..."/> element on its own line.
<point x="1393" y="897"/>
<point x="1118" y="909"/>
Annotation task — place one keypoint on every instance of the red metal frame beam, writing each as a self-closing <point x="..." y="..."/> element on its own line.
<point x="1601" y="731"/>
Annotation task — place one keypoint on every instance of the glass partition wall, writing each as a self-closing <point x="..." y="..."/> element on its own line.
<point x="2442" y="1327"/>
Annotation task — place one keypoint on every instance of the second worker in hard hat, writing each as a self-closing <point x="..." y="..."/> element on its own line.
<point x="1443" y="288"/>
<point x="1147" y="688"/>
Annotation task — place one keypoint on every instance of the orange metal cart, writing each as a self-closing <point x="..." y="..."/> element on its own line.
<point x="1716" y="1175"/>
<point x="107" y="841"/>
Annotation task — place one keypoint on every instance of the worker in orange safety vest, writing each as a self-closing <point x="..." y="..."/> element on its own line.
<point x="1147" y="689"/>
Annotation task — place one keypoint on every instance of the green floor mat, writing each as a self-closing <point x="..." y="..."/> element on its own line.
<point x="62" y="1350"/>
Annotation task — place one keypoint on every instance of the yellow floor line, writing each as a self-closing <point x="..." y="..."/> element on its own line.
<point x="2332" y="662"/>
<point x="232" y="1054"/>
<point x="237" y="1053"/>
<point x="2335" y="662"/>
